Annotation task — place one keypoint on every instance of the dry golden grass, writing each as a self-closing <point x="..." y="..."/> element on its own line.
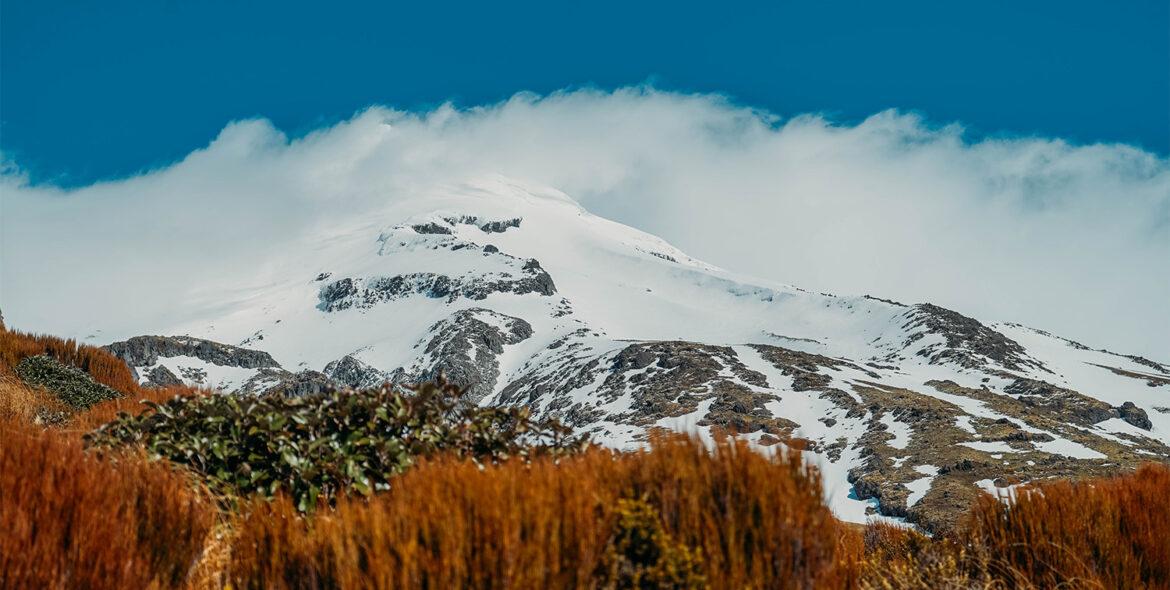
<point x="1104" y="533"/>
<point x="754" y="522"/>
<point x="900" y="558"/>
<point x="101" y="365"/>
<point x="72" y="519"/>
<point x="27" y="405"/>
<point x="738" y="519"/>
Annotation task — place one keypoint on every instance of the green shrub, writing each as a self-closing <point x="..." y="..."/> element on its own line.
<point x="643" y="556"/>
<point x="342" y="441"/>
<point x="71" y="385"/>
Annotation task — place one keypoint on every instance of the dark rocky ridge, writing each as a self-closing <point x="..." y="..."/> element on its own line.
<point x="464" y="347"/>
<point x="349" y="371"/>
<point x="487" y="227"/>
<point x="365" y="293"/>
<point x="161" y="376"/>
<point x="286" y="383"/>
<point x="968" y="341"/>
<point x="1083" y="409"/>
<point x="431" y="228"/>
<point x="144" y="351"/>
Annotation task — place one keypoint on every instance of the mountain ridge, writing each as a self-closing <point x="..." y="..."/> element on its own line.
<point x="518" y="292"/>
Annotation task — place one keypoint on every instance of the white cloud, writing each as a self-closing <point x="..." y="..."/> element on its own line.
<point x="1071" y="239"/>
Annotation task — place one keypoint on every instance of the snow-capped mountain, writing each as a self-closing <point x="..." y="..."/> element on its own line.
<point x="518" y="292"/>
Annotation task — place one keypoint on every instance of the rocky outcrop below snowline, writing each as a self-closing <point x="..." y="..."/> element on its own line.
<point x="146" y="350"/>
<point x="465" y="347"/>
<point x="286" y="383"/>
<point x="350" y="371"/>
<point x="365" y="293"/>
<point x="160" y="361"/>
<point x="968" y="343"/>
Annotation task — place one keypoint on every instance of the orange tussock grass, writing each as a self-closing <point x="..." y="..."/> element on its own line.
<point x="1107" y="533"/>
<point x="28" y="405"/>
<point x="756" y="522"/>
<point x="71" y="519"/>
<point x="19" y="403"/>
<point x="101" y="365"/>
<point x="24" y="404"/>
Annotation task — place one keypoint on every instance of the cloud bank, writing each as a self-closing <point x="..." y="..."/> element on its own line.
<point x="1071" y="239"/>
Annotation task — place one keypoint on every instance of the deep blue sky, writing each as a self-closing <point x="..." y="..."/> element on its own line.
<point x="92" y="90"/>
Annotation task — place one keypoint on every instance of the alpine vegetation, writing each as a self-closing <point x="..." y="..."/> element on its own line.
<point x="415" y="488"/>
<point x="319" y="447"/>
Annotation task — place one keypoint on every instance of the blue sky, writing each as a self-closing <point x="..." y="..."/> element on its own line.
<point x="810" y="144"/>
<point x="97" y="90"/>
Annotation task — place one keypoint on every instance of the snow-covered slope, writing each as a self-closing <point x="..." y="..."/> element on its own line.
<point x="518" y="292"/>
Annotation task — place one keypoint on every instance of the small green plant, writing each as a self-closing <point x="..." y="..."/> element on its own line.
<point x="643" y="556"/>
<point x="319" y="446"/>
<point x="73" y="386"/>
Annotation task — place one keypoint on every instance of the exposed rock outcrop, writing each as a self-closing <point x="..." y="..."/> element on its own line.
<point x="286" y="383"/>
<point x="969" y="343"/>
<point x="431" y="228"/>
<point x="349" y="371"/>
<point x="144" y="351"/>
<point x="1067" y="403"/>
<point x="1135" y="415"/>
<point x="365" y="293"/>
<point x="465" y="347"/>
<point x="161" y="376"/>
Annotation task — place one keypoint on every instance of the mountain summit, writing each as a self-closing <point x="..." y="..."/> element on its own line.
<point x="517" y="292"/>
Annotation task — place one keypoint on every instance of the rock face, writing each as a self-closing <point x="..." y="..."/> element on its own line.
<point x="499" y="226"/>
<point x="155" y="360"/>
<point x="146" y="350"/>
<point x="286" y="384"/>
<point x="969" y="343"/>
<point x="465" y="347"/>
<point x="486" y="226"/>
<point x="364" y="293"/>
<point x="349" y="371"/>
<point x="1070" y="404"/>
<point x="161" y="376"/>
<point x="1135" y="415"/>
<point x="431" y="228"/>
<point x="662" y="380"/>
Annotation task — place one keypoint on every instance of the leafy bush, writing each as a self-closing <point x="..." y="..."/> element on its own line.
<point x="327" y="444"/>
<point x="71" y="385"/>
<point x="98" y="414"/>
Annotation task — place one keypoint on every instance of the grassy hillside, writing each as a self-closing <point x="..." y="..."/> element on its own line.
<point x="679" y="514"/>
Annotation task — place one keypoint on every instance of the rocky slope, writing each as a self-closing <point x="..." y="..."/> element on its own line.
<point x="514" y="290"/>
